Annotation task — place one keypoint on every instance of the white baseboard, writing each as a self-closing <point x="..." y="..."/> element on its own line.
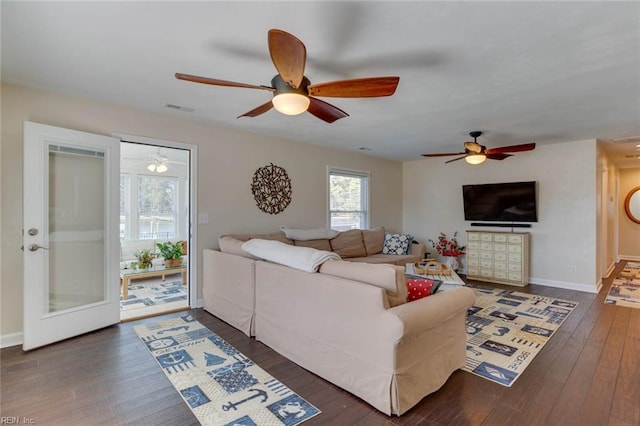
<point x="588" y="288"/>
<point x="8" y="340"/>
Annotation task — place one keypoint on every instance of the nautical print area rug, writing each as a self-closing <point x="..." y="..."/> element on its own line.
<point x="218" y="383"/>
<point x="506" y="330"/>
<point x="155" y="293"/>
<point x="625" y="289"/>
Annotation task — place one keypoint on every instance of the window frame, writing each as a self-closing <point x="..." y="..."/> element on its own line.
<point x="365" y="210"/>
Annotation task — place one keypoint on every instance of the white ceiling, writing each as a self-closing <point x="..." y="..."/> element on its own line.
<point x="542" y="72"/>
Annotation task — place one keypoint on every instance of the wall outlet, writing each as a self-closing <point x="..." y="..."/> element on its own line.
<point x="573" y="268"/>
<point x="203" y="218"/>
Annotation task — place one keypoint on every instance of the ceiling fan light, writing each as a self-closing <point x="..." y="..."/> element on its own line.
<point x="161" y="168"/>
<point x="291" y="103"/>
<point x="475" y="158"/>
<point x="151" y="167"/>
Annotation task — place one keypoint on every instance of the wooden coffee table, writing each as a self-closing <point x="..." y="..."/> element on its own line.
<point x="127" y="275"/>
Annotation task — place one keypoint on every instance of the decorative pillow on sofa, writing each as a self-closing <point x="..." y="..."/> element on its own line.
<point x="421" y="287"/>
<point x="396" y="243"/>
<point x="373" y="240"/>
<point x="349" y="244"/>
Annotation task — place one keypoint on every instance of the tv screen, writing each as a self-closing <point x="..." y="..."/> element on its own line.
<point x="494" y="202"/>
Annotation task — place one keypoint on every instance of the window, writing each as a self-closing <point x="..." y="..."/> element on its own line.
<point x="148" y="211"/>
<point x="157" y="207"/>
<point x="348" y="199"/>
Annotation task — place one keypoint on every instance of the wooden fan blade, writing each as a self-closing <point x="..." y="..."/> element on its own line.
<point x="512" y="148"/>
<point x="325" y="111"/>
<point x="289" y="56"/>
<point x="216" y="82"/>
<point x="444" y="155"/>
<point x="498" y="156"/>
<point x="357" y="88"/>
<point x="257" y="111"/>
<point x="455" y="159"/>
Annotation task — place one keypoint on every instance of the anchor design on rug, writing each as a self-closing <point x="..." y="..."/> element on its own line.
<point x="475" y="351"/>
<point x="258" y="393"/>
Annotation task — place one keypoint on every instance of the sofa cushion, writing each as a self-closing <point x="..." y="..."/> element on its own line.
<point x="392" y="259"/>
<point x="303" y="258"/>
<point x="373" y="240"/>
<point x="322" y="244"/>
<point x="309" y="234"/>
<point x="232" y="245"/>
<point x="389" y="277"/>
<point x="349" y="244"/>
<point x="396" y="243"/>
<point x="275" y="236"/>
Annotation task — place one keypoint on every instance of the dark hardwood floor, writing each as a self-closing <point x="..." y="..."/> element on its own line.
<point x="588" y="374"/>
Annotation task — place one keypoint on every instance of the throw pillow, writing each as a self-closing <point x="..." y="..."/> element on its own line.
<point x="373" y="240"/>
<point x="396" y="243"/>
<point x="349" y="244"/>
<point x="421" y="287"/>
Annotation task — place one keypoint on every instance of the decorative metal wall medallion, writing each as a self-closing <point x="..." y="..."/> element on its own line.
<point x="271" y="188"/>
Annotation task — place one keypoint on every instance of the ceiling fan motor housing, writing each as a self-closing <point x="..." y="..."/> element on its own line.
<point x="282" y="87"/>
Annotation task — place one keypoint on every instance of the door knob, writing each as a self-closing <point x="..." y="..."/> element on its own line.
<point x="35" y="247"/>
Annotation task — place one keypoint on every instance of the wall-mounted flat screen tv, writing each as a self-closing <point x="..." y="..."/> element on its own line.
<point x="495" y="202"/>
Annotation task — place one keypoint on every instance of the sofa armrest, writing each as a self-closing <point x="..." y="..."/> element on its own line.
<point x="387" y="276"/>
<point x="426" y="313"/>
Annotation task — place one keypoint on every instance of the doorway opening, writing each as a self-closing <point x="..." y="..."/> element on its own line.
<point x="155" y="231"/>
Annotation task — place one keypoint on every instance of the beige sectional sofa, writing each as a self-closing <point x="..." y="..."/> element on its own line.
<point x="349" y="322"/>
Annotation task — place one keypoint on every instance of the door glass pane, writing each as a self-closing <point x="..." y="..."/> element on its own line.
<point x="76" y="228"/>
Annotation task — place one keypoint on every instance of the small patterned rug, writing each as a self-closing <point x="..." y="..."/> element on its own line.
<point x="625" y="289"/>
<point x="154" y="293"/>
<point x="507" y="329"/>
<point x="218" y="383"/>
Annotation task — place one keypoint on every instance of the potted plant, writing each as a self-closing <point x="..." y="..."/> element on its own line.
<point x="172" y="253"/>
<point x="145" y="257"/>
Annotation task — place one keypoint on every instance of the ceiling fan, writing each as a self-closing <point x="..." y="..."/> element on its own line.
<point x="155" y="163"/>
<point x="158" y="163"/>
<point x="474" y="153"/>
<point x="293" y="92"/>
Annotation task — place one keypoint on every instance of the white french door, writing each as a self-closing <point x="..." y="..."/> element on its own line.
<point x="71" y="221"/>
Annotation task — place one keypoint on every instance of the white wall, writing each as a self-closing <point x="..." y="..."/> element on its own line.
<point x="628" y="230"/>
<point x="227" y="161"/>
<point x="565" y="234"/>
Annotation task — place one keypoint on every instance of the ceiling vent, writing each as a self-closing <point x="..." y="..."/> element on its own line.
<point x="179" y="108"/>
